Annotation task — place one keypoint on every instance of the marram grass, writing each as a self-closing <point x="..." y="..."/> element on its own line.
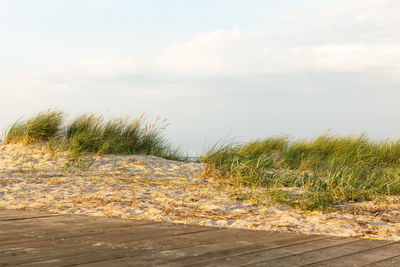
<point x="91" y="133"/>
<point x="330" y="169"/>
<point x="44" y="126"/>
<point x="327" y="169"/>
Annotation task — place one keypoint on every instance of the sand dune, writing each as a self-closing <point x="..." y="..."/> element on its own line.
<point x="148" y="187"/>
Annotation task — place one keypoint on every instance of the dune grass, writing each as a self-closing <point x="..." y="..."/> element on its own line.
<point x="42" y="127"/>
<point x="91" y="133"/>
<point x="330" y="169"/>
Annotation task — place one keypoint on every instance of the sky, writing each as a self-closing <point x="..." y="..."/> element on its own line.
<point x="218" y="70"/>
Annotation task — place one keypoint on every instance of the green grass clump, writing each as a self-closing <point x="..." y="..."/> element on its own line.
<point x="42" y="127"/>
<point x="329" y="168"/>
<point x="91" y="133"/>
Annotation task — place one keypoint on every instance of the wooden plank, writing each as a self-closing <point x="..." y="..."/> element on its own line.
<point x="38" y="240"/>
<point x="112" y="240"/>
<point x="274" y="252"/>
<point x="100" y="253"/>
<point x="43" y="225"/>
<point x="6" y="212"/>
<point x="41" y="237"/>
<point x="51" y="232"/>
<point x="12" y="215"/>
<point x="365" y="257"/>
<point x="77" y="234"/>
<point x="61" y="218"/>
<point x="231" y="233"/>
<point x="13" y="218"/>
<point x="64" y="220"/>
<point x="390" y="262"/>
<point x="324" y="254"/>
<point x="136" y="232"/>
<point x="222" y="247"/>
<point x="81" y="253"/>
<point x="149" y="247"/>
<point x="19" y="212"/>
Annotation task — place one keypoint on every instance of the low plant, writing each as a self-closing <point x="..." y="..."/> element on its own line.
<point x="330" y="168"/>
<point x="91" y="133"/>
<point x="41" y="127"/>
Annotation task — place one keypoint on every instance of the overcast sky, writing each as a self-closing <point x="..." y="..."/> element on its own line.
<point x="216" y="69"/>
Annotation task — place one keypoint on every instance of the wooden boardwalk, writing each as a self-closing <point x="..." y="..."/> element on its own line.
<point x="43" y="239"/>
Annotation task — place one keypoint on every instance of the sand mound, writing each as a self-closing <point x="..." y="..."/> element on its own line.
<point x="148" y="187"/>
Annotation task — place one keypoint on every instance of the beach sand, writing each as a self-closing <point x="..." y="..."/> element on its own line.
<point x="148" y="187"/>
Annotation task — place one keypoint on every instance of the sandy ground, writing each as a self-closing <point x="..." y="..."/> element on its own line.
<point x="147" y="187"/>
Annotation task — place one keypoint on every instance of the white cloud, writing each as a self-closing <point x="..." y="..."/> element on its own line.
<point x="239" y="52"/>
<point x="380" y="12"/>
<point x="370" y="12"/>
<point x="104" y="68"/>
<point x="253" y="57"/>
<point x="233" y="58"/>
<point x="205" y="53"/>
<point x="351" y="57"/>
<point x="228" y="53"/>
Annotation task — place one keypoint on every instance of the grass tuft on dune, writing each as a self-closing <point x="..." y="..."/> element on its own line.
<point x="42" y="127"/>
<point x="330" y="169"/>
<point x="91" y="133"/>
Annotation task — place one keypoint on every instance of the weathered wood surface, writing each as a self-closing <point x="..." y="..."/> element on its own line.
<point x="43" y="239"/>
